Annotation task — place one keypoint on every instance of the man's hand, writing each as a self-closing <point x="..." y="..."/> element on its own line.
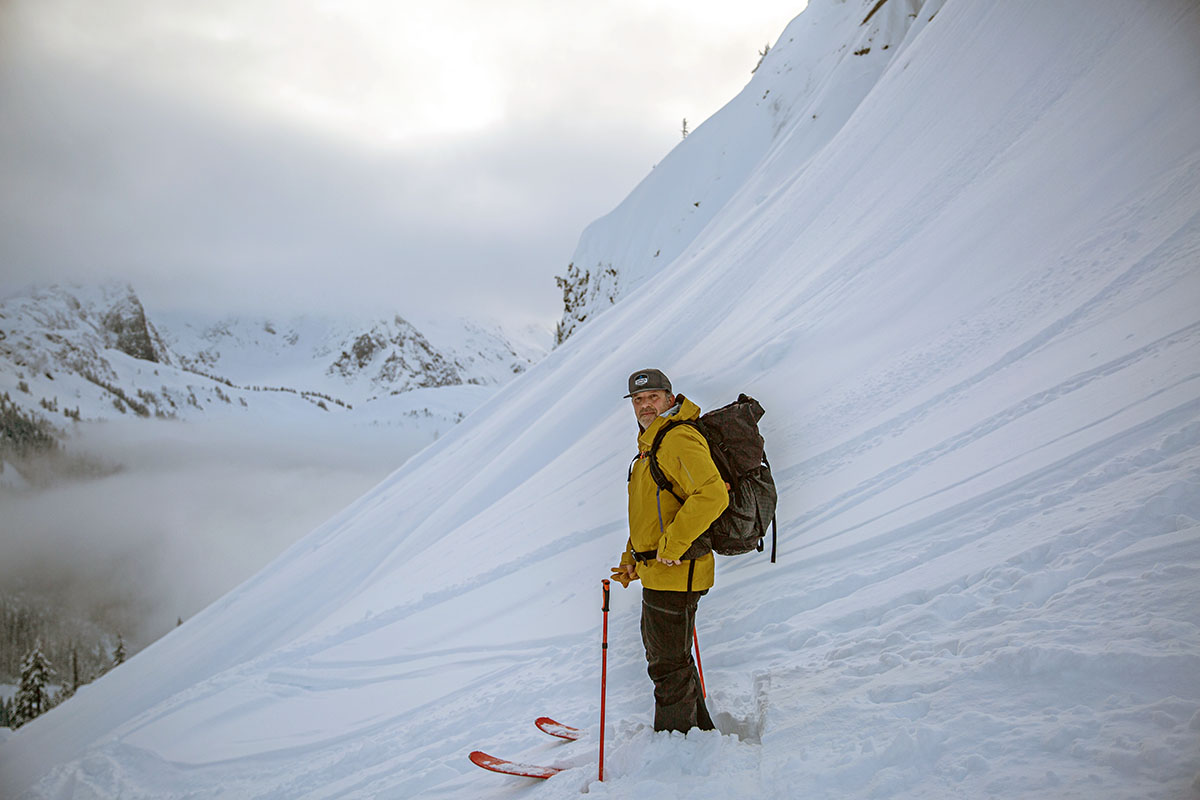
<point x="624" y="574"/>
<point x="669" y="563"/>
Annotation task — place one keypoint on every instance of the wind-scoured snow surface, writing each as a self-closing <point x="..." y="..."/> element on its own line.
<point x="972" y="315"/>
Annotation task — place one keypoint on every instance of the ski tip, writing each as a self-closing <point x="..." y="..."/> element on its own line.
<point x="488" y="762"/>
<point x="547" y="725"/>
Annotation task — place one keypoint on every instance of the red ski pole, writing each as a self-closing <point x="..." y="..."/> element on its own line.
<point x="603" y="674"/>
<point x="699" y="666"/>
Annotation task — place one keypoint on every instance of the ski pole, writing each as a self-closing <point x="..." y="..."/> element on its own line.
<point x="603" y="674"/>
<point x="699" y="666"/>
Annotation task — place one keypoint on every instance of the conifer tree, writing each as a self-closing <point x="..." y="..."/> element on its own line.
<point x="33" y="695"/>
<point x="119" y="654"/>
<point x="71" y="688"/>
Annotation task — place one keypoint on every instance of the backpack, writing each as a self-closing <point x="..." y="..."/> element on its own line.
<point x="737" y="449"/>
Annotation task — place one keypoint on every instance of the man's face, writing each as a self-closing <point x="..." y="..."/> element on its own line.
<point x="648" y="405"/>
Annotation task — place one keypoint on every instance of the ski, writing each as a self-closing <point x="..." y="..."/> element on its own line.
<point x="481" y="759"/>
<point x="547" y="725"/>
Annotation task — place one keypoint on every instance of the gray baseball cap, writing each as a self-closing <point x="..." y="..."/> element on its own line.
<point x="647" y="380"/>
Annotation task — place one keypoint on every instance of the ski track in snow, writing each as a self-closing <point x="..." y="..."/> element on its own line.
<point x="989" y="571"/>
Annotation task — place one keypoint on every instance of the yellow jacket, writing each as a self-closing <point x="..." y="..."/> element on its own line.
<point x="684" y="459"/>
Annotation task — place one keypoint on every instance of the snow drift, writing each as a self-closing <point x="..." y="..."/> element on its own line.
<point x="971" y="314"/>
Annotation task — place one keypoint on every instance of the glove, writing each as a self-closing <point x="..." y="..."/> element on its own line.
<point x="622" y="576"/>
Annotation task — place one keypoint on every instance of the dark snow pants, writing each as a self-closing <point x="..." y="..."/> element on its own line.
<point x="667" y="623"/>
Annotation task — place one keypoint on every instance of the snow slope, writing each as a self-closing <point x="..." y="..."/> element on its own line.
<point x="804" y="92"/>
<point x="972" y="317"/>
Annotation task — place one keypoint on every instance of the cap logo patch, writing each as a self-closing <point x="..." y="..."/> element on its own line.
<point x="641" y="380"/>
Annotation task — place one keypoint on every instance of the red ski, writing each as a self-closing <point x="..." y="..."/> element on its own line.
<point x="511" y="767"/>
<point x="547" y="725"/>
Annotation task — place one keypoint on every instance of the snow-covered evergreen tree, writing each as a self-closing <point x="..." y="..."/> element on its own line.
<point x="119" y="653"/>
<point x="33" y="695"/>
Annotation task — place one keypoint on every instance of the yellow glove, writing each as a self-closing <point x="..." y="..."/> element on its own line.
<point x="624" y="575"/>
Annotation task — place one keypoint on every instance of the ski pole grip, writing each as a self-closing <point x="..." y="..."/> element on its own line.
<point x="605" y="584"/>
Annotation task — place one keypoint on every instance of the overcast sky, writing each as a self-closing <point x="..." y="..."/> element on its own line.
<point x="358" y="155"/>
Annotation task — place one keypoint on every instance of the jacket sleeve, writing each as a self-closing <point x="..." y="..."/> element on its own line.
<point x="686" y="462"/>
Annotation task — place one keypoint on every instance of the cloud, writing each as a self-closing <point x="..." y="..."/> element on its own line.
<point x="194" y="510"/>
<point x="280" y="156"/>
<point x="191" y="206"/>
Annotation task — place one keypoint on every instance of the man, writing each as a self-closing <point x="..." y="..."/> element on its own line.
<point x="663" y="524"/>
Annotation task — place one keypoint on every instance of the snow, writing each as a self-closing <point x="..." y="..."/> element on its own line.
<point x="301" y="352"/>
<point x="55" y="345"/>
<point x="971" y="317"/>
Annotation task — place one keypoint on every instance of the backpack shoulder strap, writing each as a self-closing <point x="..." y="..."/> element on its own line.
<point x="656" y="472"/>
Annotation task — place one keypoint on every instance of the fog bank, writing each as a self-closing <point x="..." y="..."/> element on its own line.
<point x="191" y="510"/>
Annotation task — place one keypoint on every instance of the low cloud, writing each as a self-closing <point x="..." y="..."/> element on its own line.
<point x="192" y="511"/>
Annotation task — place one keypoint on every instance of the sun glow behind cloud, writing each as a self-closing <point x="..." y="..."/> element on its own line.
<point x="375" y="72"/>
<point x="403" y="72"/>
<point x="344" y="152"/>
<point x="379" y="75"/>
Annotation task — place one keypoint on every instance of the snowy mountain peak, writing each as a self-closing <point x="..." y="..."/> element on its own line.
<point x="130" y="332"/>
<point x="353" y="358"/>
<point x="68" y="327"/>
<point x="71" y="353"/>
<point x="394" y="356"/>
